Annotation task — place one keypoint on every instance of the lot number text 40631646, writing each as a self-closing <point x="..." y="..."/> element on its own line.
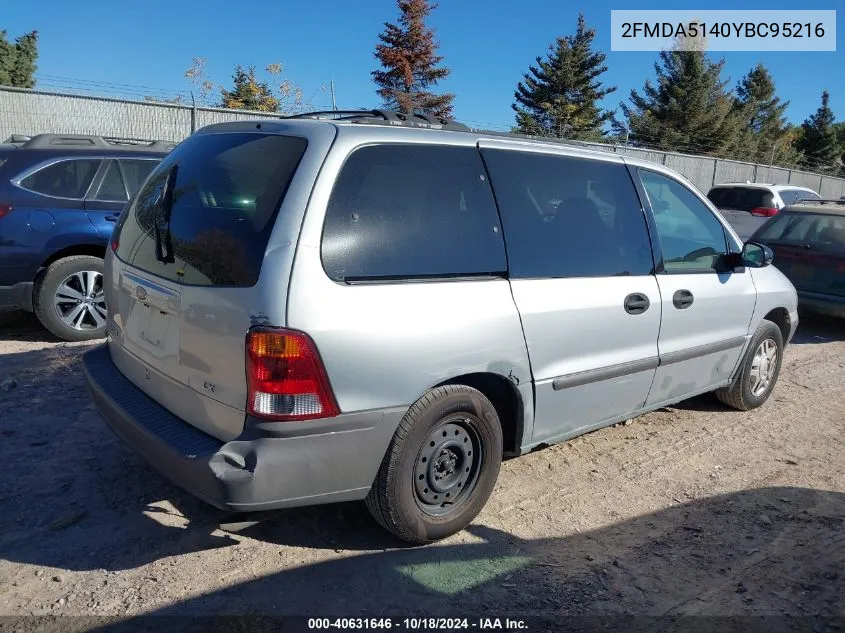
<point x="417" y="624"/>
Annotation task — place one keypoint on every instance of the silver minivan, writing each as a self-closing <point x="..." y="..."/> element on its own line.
<point x="376" y="306"/>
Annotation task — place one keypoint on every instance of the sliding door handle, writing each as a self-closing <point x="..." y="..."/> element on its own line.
<point x="636" y="303"/>
<point x="682" y="299"/>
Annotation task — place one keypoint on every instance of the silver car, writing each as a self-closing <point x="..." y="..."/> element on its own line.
<point x="379" y="307"/>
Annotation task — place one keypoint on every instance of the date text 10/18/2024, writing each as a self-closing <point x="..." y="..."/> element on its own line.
<point x="417" y="624"/>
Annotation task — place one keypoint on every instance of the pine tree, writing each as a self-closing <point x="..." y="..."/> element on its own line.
<point x="558" y="97"/>
<point x="818" y="140"/>
<point x="840" y="138"/>
<point x="763" y="138"/>
<point x="410" y="63"/>
<point x="23" y="72"/>
<point x="17" y="61"/>
<point x="688" y="109"/>
<point x="248" y="93"/>
<point x="7" y="60"/>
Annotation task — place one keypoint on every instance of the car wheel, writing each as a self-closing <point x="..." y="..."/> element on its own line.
<point x="759" y="371"/>
<point x="440" y="467"/>
<point x="69" y="299"/>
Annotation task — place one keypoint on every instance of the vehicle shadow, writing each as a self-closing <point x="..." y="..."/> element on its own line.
<point x="769" y="551"/>
<point x="82" y="500"/>
<point x="19" y="325"/>
<point x="704" y="402"/>
<point x="814" y="328"/>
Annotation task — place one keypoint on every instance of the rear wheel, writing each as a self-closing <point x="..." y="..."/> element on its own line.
<point x="441" y="466"/>
<point x="759" y="371"/>
<point x="69" y="299"/>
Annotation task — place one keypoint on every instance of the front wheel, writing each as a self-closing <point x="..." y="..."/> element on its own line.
<point x="441" y="466"/>
<point x="759" y="371"/>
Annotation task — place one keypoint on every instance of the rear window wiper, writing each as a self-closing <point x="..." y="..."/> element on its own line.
<point x="161" y="223"/>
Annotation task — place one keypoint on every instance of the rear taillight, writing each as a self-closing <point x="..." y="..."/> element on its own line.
<point x="5" y="209"/>
<point x="765" y="212"/>
<point x="286" y="378"/>
<point x="114" y="244"/>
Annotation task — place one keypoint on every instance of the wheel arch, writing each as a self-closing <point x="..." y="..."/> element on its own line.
<point x="94" y="250"/>
<point x="781" y="318"/>
<point x="507" y="401"/>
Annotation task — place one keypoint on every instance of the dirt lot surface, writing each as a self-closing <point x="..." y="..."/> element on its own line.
<point x="694" y="509"/>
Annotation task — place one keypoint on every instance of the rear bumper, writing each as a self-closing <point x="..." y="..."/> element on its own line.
<point x="267" y="467"/>
<point x="17" y="296"/>
<point x="819" y="303"/>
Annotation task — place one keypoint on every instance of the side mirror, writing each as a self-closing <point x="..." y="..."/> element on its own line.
<point x="756" y="255"/>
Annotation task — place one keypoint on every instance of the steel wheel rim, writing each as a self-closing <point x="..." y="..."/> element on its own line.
<point x="447" y="466"/>
<point x="763" y="366"/>
<point x="80" y="301"/>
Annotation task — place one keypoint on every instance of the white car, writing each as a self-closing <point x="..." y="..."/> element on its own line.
<point x="747" y="205"/>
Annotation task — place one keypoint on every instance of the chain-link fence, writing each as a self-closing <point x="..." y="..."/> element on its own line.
<point x="706" y="171"/>
<point x="35" y="112"/>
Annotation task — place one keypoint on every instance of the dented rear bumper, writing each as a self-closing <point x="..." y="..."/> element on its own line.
<point x="271" y="465"/>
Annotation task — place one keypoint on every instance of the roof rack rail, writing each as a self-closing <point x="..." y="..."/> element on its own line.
<point x="83" y="141"/>
<point x="331" y="114"/>
<point x="385" y="117"/>
<point x="17" y="139"/>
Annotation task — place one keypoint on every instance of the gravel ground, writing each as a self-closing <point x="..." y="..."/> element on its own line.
<point x="694" y="509"/>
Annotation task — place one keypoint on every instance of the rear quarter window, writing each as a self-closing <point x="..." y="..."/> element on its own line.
<point x="791" y="196"/>
<point x="412" y="211"/>
<point x="205" y="214"/>
<point x="135" y="172"/>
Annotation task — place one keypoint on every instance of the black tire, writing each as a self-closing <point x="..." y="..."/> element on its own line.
<point x="739" y="395"/>
<point x="467" y="419"/>
<point x="45" y="292"/>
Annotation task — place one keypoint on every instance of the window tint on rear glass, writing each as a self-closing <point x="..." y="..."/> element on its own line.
<point x="818" y="231"/>
<point x="406" y="211"/>
<point x="741" y="198"/>
<point x="721" y="197"/>
<point x="568" y="217"/>
<point x="205" y="215"/>
<point x="65" y="179"/>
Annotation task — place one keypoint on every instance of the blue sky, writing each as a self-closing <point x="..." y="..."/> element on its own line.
<point x="147" y="46"/>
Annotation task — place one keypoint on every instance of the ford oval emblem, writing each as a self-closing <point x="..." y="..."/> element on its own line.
<point x="141" y="293"/>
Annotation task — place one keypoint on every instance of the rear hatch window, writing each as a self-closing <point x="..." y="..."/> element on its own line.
<point x="205" y="215"/>
<point x="741" y="198"/>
